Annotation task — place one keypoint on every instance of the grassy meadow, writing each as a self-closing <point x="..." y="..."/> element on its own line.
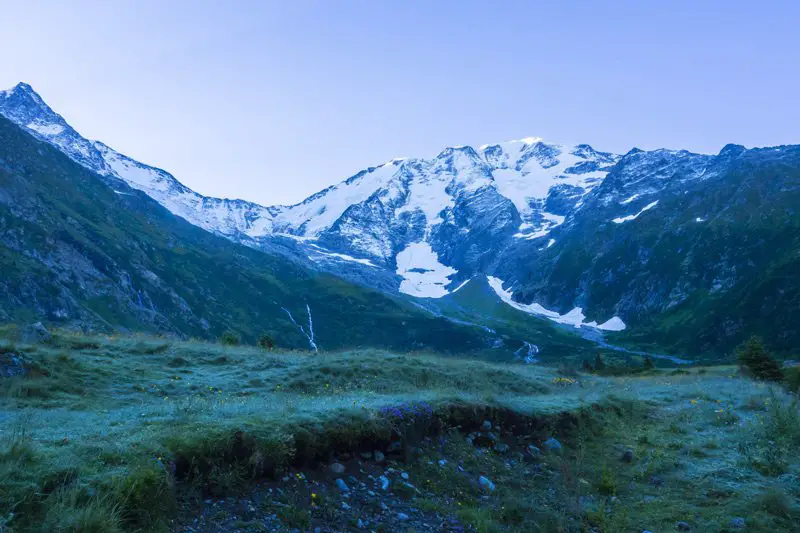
<point x="106" y="434"/>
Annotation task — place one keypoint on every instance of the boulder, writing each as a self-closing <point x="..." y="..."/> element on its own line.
<point x="34" y="333"/>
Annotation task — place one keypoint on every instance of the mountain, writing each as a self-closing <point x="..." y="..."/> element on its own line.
<point x="87" y="252"/>
<point x="665" y="249"/>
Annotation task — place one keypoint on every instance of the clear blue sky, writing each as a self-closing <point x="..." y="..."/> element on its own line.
<point x="272" y="101"/>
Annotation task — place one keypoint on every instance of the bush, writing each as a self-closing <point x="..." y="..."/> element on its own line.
<point x="230" y="338"/>
<point x="648" y="363"/>
<point x="598" y="362"/>
<point x="792" y="375"/>
<point x="266" y="342"/>
<point x="754" y="359"/>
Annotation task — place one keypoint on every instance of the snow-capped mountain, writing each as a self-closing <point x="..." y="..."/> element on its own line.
<point x="398" y="215"/>
<point x="569" y="233"/>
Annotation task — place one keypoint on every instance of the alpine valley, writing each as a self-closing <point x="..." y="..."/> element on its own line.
<point x="523" y="247"/>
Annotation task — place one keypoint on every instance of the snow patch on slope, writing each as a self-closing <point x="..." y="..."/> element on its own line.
<point x="574" y="318"/>
<point x="633" y="217"/>
<point x="423" y="275"/>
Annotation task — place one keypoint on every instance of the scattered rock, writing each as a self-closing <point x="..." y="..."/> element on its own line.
<point x="379" y="457"/>
<point x="737" y="523"/>
<point x="627" y="456"/>
<point x="486" y="426"/>
<point x="404" y="475"/>
<point x="502" y="448"/>
<point x="384" y="482"/>
<point x="34" y="333"/>
<point x="11" y="365"/>
<point x="682" y="526"/>
<point x="337" y="468"/>
<point x="342" y="485"/>
<point x="534" y="451"/>
<point x="366" y="456"/>
<point x="486" y="484"/>
<point x="402" y="516"/>
<point x="552" y="445"/>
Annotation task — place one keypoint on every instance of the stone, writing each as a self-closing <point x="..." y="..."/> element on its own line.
<point x="379" y="457"/>
<point x="366" y="456"/>
<point x="404" y="475"/>
<point x="486" y="426"/>
<point x="534" y="451"/>
<point x="552" y="445"/>
<point x="682" y="526"/>
<point x="402" y="516"/>
<point x="737" y="523"/>
<point x="502" y="448"/>
<point x="342" y="485"/>
<point x="384" y="482"/>
<point x="360" y="524"/>
<point x="627" y="456"/>
<point x="34" y="333"/>
<point x="337" y="468"/>
<point x="486" y="484"/>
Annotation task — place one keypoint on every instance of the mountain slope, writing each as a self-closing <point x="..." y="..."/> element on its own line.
<point x="708" y="255"/>
<point x="76" y="251"/>
<point x="668" y="249"/>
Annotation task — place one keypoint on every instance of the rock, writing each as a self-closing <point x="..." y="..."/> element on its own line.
<point x="442" y="462"/>
<point x="404" y="475"/>
<point x="492" y="437"/>
<point x="534" y="451"/>
<point x="402" y="516"/>
<point x="379" y="457"/>
<point x="337" y="468"/>
<point x="502" y="448"/>
<point x="737" y="523"/>
<point x="35" y="333"/>
<point x="384" y="482"/>
<point x="627" y="456"/>
<point x="396" y="445"/>
<point x="682" y="526"/>
<point x="342" y="485"/>
<point x="366" y="456"/>
<point x="486" y="426"/>
<point x="360" y="524"/>
<point x="486" y="484"/>
<point x="11" y="365"/>
<point x="552" y="445"/>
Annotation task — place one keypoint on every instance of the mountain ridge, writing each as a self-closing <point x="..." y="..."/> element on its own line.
<point x="566" y="231"/>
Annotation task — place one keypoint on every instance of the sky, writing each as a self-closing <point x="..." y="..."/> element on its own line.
<point x="272" y="101"/>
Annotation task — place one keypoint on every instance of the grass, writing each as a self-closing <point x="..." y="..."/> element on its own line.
<point x="113" y="433"/>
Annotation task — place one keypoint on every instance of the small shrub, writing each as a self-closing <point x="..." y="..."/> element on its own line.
<point x="598" y="362"/>
<point x="648" y="363"/>
<point x="775" y="502"/>
<point x="608" y="484"/>
<point x="147" y="496"/>
<point x="755" y="360"/>
<point x="230" y="338"/>
<point x="266" y="342"/>
<point x="587" y="366"/>
<point x="792" y="376"/>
